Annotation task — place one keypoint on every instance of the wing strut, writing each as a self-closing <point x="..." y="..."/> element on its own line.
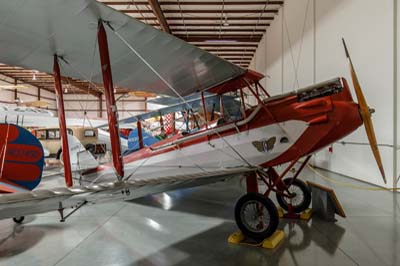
<point x="112" y="114"/>
<point x="61" y="120"/>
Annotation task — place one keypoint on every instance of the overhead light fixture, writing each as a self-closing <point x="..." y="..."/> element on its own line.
<point x="34" y="75"/>
<point x="225" y="23"/>
<point x="18" y="100"/>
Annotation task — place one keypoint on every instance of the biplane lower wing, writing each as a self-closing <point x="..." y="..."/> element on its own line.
<point x="45" y="200"/>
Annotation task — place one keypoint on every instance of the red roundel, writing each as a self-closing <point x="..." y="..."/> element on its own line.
<point x="21" y="157"/>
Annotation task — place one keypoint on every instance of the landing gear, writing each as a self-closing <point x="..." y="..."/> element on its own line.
<point x="256" y="216"/>
<point x="300" y="196"/>
<point x="19" y="220"/>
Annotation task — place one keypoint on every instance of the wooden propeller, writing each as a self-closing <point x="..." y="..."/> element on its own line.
<point x="366" y="113"/>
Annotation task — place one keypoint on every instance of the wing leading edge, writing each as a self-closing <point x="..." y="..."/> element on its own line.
<point x="31" y="32"/>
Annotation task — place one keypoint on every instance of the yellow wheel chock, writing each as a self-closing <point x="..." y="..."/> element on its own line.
<point x="306" y="215"/>
<point x="269" y="243"/>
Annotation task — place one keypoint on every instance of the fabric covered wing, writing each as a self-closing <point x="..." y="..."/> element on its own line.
<point x="31" y="32"/>
<point x="45" y="200"/>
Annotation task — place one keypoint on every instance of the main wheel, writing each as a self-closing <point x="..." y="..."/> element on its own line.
<point x="256" y="216"/>
<point x="302" y="196"/>
<point x="19" y="220"/>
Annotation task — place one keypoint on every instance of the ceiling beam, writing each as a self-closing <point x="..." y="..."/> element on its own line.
<point x="84" y="87"/>
<point x="46" y="82"/>
<point x="238" y="55"/>
<point x="188" y="3"/>
<point x="156" y="9"/>
<point x="218" y="49"/>
<point x="217" y="31"/>
<point x="219" y="19"/>
<point x="227" y="38"/>
<point x="235" y="45"/>
<point x="217" y="35"/>
<point x="196" y="11"/>
<point x="251" y="25"/>
<point x="248" y="59"/>
<point x="29" y="83"/>
<point x="214" y="18"/>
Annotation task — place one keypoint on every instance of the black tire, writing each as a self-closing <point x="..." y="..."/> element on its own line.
<point x="301" y="201"/>
<point x="58" y="154"/>
<point x="262" y="207"/>
<point x="19" y="220"/>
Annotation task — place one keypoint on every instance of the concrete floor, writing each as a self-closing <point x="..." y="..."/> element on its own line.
<point x="191" y="226"/>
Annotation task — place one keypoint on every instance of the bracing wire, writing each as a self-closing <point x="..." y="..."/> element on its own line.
<point x="91" y="75"/>
<point x="301" y="42"/>
<point x="140" y="11"/>
<point x="221" y="22"/>
<point x="183" y="19"/>
<point x="170" y="87"/>
<point x="255" y="26"/>
<point x="296" y="65"/>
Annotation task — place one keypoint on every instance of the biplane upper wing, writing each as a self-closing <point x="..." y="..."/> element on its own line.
<point x="45" y="200"/>
<point x="32" y="32"/>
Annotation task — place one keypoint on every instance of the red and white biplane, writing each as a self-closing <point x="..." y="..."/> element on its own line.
<point x="85" y="39"/>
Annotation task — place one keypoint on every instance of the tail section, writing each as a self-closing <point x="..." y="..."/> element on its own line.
<point x="81" y="159"/>
<point x="21" y="159"/>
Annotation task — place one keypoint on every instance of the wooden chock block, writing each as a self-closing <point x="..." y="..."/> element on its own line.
<point x="274" y="240"/>
<point x="280" y="212"/>
<point x="236" y="238"/>
<point x="306" y="215"/>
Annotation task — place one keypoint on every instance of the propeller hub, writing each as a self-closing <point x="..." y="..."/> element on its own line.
<point x="371" y="110"/>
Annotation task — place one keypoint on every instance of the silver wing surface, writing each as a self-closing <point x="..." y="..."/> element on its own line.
<point x="33" y="31"/>
<point x="45" y="200"/>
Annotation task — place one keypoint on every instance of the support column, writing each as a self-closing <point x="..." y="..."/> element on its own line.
<point x="140" y="136"/>
<point x="204" y="109"/>
<point x="161" y="122"/>
<point x="221" y="105"/>
<point x="100" y="99"/>
<point x="110" y="101"/>
<point x="173" y="123"/>
<point x="15" y="91"/>
<point x="243" y="103"/>
<point x="61" y="120"/>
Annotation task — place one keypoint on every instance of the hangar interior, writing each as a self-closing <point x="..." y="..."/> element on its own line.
<point x="294" y="44"/>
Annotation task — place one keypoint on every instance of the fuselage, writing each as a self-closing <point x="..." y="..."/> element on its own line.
<point x="278" y="130"/>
